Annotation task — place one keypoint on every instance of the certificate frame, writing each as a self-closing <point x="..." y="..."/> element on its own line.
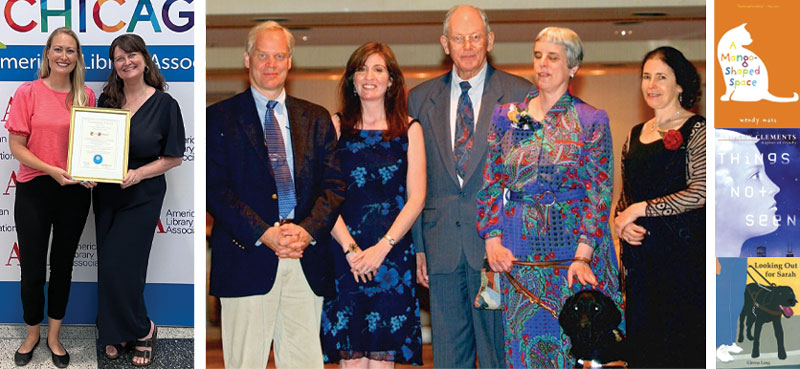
<point x="98" y="144"/>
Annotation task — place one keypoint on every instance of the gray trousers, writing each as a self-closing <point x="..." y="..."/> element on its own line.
<point x="459" y="330"/>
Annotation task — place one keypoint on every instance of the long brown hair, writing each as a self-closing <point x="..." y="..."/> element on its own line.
<point x="394" y="102"/>
<point x="152" y="76"/>
<point x="77" y="95"/>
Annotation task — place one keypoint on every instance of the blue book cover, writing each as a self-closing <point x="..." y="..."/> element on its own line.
<point x="757" y="173"/>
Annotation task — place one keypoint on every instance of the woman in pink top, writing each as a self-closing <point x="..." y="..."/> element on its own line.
<point x="47" y="197"/>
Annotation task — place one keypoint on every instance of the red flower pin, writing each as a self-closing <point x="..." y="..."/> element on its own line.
<point x="672" y="140"/>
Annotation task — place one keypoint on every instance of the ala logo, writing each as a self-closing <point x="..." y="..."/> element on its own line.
<point x="177" y="222"/>
<point x="12" y="183"/>
<point x="14" y="255"/>
<point x="8" y="109"/>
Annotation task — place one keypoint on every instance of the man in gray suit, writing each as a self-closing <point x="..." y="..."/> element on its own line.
<point x="455" y="111"/>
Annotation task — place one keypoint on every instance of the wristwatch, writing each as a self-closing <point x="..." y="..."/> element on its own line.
<point x="391" y="240"/>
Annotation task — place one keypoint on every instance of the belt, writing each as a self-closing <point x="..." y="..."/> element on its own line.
<point x="284" y="221"/>
<point x="547" y="197"/>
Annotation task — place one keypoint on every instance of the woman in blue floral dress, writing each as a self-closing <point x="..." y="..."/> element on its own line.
<point x="546" y="195"/>
<point x="374" y="320"/>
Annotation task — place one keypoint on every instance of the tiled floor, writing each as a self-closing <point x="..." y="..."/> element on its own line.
<point x="175" y="348"/>
<point x="214" y="358"/>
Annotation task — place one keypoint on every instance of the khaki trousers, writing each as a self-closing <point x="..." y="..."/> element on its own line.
<point x="288" y="315"/>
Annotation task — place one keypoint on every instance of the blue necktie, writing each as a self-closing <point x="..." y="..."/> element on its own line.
<point x="465" y="122"/>
<point x="277" y="157"/>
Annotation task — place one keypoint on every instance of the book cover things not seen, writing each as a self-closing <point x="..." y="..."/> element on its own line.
<point x="757" y="176"/>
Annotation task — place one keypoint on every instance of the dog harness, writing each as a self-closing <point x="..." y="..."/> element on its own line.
<point x="754" y="295"/>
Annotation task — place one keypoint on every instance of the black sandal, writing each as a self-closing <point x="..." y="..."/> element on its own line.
<point x="120" y="350"/>
<point x="149" y="355"/>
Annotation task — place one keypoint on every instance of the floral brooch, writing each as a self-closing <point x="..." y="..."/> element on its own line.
<point x="522" y="119"/>
<point x="672" y="139"/>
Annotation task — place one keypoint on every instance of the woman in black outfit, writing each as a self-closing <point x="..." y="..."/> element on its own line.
<point x="126" y="215"/>
<point x="661" y="219"/>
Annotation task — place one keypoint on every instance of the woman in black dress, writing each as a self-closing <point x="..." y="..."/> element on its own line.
<point x="126" y="215"/>
<point x="661" y="219"/>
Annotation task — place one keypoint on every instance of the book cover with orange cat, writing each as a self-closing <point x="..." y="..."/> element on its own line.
<point x="756" y="84"/>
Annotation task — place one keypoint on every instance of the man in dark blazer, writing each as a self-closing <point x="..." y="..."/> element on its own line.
<point x="449" y="250"/>
<point x="270" y="264"/>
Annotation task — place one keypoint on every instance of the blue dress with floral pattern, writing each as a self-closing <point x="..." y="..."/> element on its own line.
<point x="378" y="319"/>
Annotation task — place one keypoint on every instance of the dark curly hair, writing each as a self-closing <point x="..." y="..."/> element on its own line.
<point x="685" y="73"/>
<point x="394" y="103"/>
<point x="115" y="96"/>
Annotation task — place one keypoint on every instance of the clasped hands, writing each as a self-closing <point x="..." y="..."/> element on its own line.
<point x="625" y="227"/>
<point x="364" y="264"/>
<point x="287" y="240"/>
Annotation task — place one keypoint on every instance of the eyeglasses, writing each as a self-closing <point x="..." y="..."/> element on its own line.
<point x="461" y="39"/>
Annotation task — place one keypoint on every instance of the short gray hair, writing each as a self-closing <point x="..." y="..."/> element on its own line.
<point x="453" y="10"/>
<point x="269" y="26"/>
<point x="565" y="37"/>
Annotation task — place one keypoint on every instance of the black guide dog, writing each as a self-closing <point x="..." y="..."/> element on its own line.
<point x="590" y="319"/>
<point x="765" y="304"/>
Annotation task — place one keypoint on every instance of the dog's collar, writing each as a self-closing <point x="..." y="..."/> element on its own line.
<point x="594" y="364"/>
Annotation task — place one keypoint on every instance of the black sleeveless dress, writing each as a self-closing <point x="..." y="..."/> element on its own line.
<point x="665" y="284"/>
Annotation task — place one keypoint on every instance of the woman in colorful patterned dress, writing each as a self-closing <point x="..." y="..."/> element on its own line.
<point x="550" y="159"/>
<point x="373" y="322"/>
<point x="661" y="218"/>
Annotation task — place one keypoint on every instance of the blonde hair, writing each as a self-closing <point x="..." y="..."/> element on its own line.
<point x="269" y="26"/>
<point x="77" y="95"/>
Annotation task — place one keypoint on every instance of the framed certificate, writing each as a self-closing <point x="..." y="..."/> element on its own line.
<point x="98" y="144"/>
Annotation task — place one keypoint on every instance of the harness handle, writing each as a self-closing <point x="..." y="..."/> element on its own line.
<point x="764" y="278"/>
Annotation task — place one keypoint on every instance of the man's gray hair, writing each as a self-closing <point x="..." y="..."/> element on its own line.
<point x="453" y="10"/>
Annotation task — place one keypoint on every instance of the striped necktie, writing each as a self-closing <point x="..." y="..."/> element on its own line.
<point x="277" y="158"/>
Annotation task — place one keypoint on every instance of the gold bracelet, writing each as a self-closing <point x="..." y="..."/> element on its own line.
<point x="352" y="247"/>
<point x="584" y="260"/>
<point x="391" y="240"/>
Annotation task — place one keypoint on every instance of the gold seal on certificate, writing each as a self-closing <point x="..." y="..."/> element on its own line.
<point x="98" y="144"/>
